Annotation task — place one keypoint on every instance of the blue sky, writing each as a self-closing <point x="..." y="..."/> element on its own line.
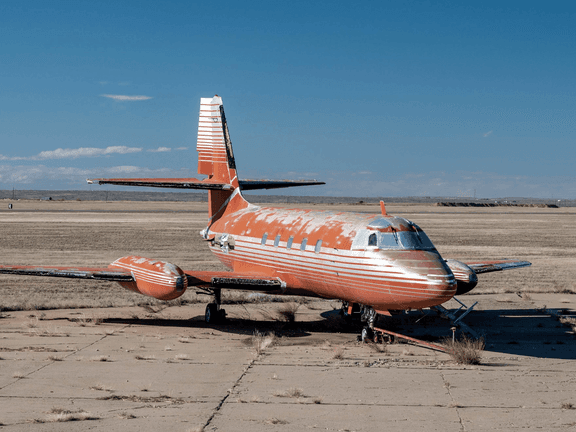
<point x="375" y="98"/>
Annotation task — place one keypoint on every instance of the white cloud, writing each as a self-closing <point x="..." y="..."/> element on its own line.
<point x="84" y="152"/>
<point x="160" y="150"/>
<point x="182" y="148"/>
<point x="75" y="153"/>
<point x="487" y="133"/>
<point x="72" y="177"/>
<point x="126" y="98"/>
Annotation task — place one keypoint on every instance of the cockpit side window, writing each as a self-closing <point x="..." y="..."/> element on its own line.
<point x="373" y="240"/>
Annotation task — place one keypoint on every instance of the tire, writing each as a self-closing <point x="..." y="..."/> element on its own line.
<point x="367" y="334"/>
<point x="221" y="315"/>
<point x="211" y="313"/>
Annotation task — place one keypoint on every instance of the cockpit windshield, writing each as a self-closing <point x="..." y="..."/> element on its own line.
<point x="400" y="240"/>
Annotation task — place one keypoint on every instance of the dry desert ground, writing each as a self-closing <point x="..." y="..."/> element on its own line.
<point x="77" y="355"/>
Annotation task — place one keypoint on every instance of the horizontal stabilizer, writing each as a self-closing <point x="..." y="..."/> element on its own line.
<point x="492" y="266"/>
<point x="70" y="272"/>
<point x="179" y="183"/>
<point x="207" y="184"/>
<point x="275" y="184"/>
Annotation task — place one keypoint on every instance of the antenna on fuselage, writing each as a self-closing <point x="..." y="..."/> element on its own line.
<point x="383" y="208"/>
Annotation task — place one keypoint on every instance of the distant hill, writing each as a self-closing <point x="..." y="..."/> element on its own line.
<point x="102" y="195"/>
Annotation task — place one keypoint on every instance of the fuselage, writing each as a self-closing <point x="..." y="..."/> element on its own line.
<point x="386" y="262"/>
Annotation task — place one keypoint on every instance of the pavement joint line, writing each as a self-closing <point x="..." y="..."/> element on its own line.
<point x="300" y="402"/>
<point x="229" y="392"/>
<point x="454" y="403"/>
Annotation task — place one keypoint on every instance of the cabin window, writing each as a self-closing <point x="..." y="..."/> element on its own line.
<point x="264" y="238"/>
<point x="277" y="240"/>
<point x="289" y="244"/>
<point x="303" y="244"/>
<point x="318" y="246"/>
<point x="373" y="240"/>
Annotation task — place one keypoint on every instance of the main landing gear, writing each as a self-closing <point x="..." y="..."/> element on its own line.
<point x="214" y="314"/>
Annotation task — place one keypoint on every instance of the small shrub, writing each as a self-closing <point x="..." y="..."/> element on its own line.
<point x="261" y="341"/>
<point x="338" y="353"/>
<point x="288" y="311"/>
<point x="465" y="350"/>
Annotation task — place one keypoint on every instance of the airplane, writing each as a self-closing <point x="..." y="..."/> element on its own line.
<point x="374" y="264"/>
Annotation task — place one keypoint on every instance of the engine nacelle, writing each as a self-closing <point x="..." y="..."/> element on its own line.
<point x="466" y="278"/>
<point x="157" y="279"/>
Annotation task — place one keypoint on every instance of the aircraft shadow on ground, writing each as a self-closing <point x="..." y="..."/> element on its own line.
<point x="507" y="331"/>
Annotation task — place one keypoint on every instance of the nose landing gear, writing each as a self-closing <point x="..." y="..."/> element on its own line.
<point x="355" y="312"/>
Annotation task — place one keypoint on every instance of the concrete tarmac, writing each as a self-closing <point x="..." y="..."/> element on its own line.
<point x="124" y="369"/>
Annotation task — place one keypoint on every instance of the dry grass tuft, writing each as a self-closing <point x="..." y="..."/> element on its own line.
<point x="570" y="322"/>
<point x="287" y="312"/>
<point x="63" y="415"/>
<point x="101" y="387"/>
<point x="182" y="357"/>
<point x="145" y="399"/>
<point x="126" y="416"/>
<point x="67" y="417"/>
<point x="144" y="357"/>
<point x="338" y="353"/>
<point x="275" y="421"/>
<point x="18" y="375"/>
<point x="101" y="358"/>
<point x="292" y="392"/>
<point x="154" y="309"/>
<point x="567" y="406"/>
<point x="186" y="339"/>
<point x="262" y="341"/>
<point x="54" y="358"/>
<point x="465" y="350"/>
<point x="378" y="347"/>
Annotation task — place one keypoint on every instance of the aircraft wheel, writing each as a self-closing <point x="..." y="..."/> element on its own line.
<point x="222" y="315"/>
<point x="367" y="334"/>
<point x="211" y="314"/>
<point x="377" y="338"/>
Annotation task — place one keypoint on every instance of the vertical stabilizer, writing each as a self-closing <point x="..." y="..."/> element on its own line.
<point x="216" y="157"/>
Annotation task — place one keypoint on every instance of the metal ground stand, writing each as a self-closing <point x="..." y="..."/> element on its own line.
<point x="456" y="319"/>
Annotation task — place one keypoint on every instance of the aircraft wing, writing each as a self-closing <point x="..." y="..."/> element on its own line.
<point x="106" y="274"/>
<point x="234" y="281"/>
<point x="492" y="266"/>
<point x="200" y="279"/>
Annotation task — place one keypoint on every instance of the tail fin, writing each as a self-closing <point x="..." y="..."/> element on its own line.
<point x="216" y="158"/>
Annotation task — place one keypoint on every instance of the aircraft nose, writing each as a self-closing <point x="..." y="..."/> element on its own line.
<point x="441" y="281"/>
<point x="438" y="283"/>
